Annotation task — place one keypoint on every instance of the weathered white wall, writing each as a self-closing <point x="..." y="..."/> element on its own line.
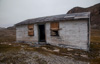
<point x="73" y="33"/>
<point x="22" y="34"/>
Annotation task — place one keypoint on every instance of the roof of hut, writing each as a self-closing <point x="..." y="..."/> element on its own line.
<point x="62" y="17"/>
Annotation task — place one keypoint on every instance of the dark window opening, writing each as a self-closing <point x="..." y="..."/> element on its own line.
<point x="41" y="33"/>
<point x="54" y="33"/>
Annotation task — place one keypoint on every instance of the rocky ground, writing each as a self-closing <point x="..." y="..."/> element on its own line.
<point x="16" y="53"/>
<point x="20" y="53"/>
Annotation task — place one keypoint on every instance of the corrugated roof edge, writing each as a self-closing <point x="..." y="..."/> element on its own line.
<point x="62" y="17"/>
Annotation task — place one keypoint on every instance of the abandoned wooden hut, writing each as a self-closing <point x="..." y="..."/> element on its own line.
<point x="66" y="30"/>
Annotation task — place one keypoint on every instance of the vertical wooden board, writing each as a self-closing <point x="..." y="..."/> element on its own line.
<point x="30" y="32"/>
<point x="55" y="25"/>
<point x="31" y="26"/>
<point x="31" y="29"/>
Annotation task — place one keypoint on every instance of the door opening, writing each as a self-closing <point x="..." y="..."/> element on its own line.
<point x="41" y="33"/>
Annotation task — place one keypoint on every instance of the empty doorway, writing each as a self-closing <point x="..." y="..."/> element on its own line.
<point x="41" y="29"/>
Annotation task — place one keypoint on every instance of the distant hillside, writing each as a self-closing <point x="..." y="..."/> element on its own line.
<point x="1" y="28"/>
<point x="7" y="34"/>
<point x="11" y="28"/>
<point x="95" y="14"/>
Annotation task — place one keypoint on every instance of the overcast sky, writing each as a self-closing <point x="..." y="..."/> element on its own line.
<point x="14" y="11"/>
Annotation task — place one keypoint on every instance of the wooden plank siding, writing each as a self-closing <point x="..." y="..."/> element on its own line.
<point x="54" y="26"/>
<point x="31" y="30"/>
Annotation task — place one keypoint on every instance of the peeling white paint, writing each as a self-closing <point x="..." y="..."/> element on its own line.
<point x="74" y="34"/>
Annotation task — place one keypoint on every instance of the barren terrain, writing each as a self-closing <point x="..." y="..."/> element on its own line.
<point x="21" y="53"/>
